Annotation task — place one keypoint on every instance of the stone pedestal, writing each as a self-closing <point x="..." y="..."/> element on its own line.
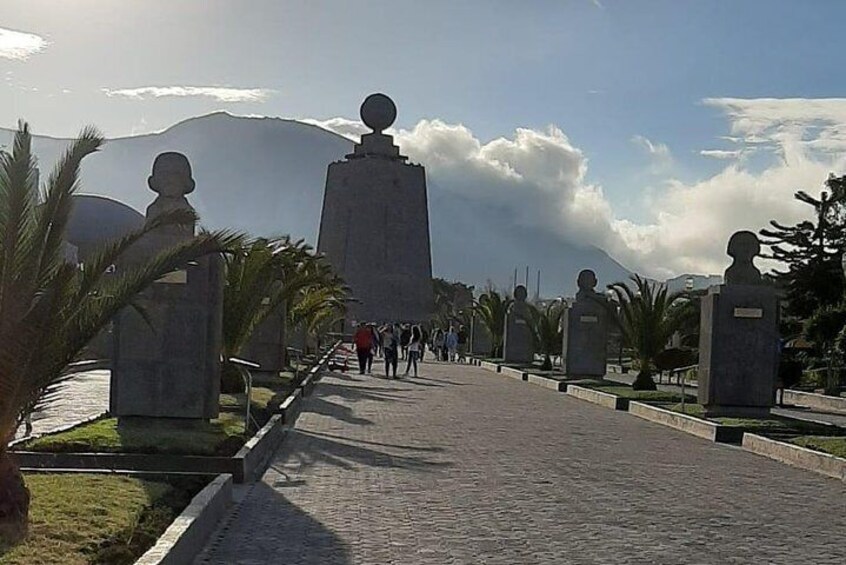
<point x="517" y="342"/>
<point x="168" y="365"/>
<point x="267" y="344"/>
<point x="584" y="349"/>
<point x="374" y="228"/>
<point x="738" y="350"/>
<point x="480" y="338"/>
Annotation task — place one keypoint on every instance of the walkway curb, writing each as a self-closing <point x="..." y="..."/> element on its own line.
<point x="604" y="399"/>
<point x="688" y="424"/>
<point x="796" y="456"/>
<point x="185" y="537"/>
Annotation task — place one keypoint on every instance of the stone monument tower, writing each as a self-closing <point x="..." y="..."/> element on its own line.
<point x="585" y="324"/>
<point x="738" y="338"/>
<point x="168" y="365"/>
<point x="374" y="228"/>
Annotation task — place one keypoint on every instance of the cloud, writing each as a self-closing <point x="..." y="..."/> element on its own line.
<point x="351" y="129"/>
<point x="219" y="93"/>
<point x="540" y="178"/>
<point x="721" y="153"/>
<point x="19" y="45"/>
<point x="659" y="154"/>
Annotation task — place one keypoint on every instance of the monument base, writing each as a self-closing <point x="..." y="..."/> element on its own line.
<point x="722" y="411"/>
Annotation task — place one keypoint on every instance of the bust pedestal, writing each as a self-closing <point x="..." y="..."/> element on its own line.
<point x="738" y="350"/>
<point x="585" y="344"/>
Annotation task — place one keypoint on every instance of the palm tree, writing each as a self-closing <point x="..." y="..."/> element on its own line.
<point x="547" y="333"/>
<point x="647" y="320"/>
<point x="253" y="289"/>
<point x="491" y="307"/>
<point x="317" y="296"/>
<point x="49" y="308"/>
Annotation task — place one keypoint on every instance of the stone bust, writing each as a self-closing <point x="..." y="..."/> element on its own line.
<point x="587" y="285"/>
<point x="172" y="180"/>
<point x="520" y="294"/>
<point x="743" y="247"/>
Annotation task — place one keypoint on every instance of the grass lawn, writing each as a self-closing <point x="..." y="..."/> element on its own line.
<point x="624" y="391"/>
<point x="775" y="426"/>
<point x="85" y="518"/>
<point x="223" y="436"/>
<point x="833" y="445"/>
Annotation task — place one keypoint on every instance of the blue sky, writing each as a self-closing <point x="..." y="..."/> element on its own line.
<point x="625" y="81"/>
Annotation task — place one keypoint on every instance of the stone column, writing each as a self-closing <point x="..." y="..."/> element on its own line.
<point x="168" y="366"/>
<point x="739" y="339"/>
<point x="517" y="344"/>
<point x="584" y="349"/>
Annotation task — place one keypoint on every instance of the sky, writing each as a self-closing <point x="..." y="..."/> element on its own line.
<point x="650" y="128"/>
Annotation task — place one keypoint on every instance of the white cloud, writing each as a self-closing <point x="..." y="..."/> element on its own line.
<point x="659" y="154"/>
<point x="351" y="129"/>
<point x="721" y="153"/>
<point x="19" y="45"/>
<point x="539" y="178"/>
<point x="219" y="93"/>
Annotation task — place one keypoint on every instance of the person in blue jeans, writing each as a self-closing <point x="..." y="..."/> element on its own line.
<point x="414" y="344"/>
<point x="390" y="349"/>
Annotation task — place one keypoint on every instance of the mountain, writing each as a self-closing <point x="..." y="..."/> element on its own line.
<point x="266" y="176"/>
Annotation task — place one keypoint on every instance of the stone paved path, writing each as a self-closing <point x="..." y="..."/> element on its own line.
<point x="83" y="397"/>
<point x="466" y="466"/>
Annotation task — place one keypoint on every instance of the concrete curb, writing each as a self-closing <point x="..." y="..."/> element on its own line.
<point x="604" y="399"/>
<point x="495" y="367"/>
<point x="796" y="456"/>
<point x="688" y="424"/>
<point x="513" y="373"/>
<point x="547" y="382"/>
<point x="188" y="533"/>
<point x="815" y="401"/>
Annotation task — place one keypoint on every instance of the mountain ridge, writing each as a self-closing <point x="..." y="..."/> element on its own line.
<point x="265" y="175"/>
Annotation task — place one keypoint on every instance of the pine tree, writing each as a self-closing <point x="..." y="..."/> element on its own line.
<point x="811" y="251"/>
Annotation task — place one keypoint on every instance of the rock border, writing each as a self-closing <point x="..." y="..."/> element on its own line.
<point x="513" y="373"/>
<point x="815" y="401"/>
<point x="711" y="431"/>
<point x="548" y="382"/>
<point x="796" y="456"/>
<point x="189" y="531"/>
<point x="243" y="466"/>
<point x="594" y="396"/>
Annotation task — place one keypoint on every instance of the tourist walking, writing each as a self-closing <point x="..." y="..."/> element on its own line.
<point x="462" y="344"/>
<point x="405" y="339"/>
<point x="414" y="349"/>
<point x="451" y="343"/>
<point x="424" y="339"/>
<point x="363" y="340"/>
<point x="438" y="343"/>
<point x="390" y="345"/>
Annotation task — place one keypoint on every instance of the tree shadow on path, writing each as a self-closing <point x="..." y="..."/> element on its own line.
<point x="308" y="449"/>
<point x="268" y="528"/>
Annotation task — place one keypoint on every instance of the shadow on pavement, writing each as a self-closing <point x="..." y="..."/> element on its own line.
<point x="393" y="445"/>
<point x="308" y="449"/>
<point x="338" y="411"/>
<point x="283" y="533"/>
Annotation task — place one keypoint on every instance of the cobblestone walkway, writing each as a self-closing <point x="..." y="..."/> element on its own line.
<point x="82" y="397"/>
<point x="465" y="466"/>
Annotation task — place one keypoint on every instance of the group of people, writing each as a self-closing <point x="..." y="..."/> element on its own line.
<point x="407" y="342"/>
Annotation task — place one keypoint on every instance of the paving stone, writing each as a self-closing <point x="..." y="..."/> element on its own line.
<point x="462" y="467"/>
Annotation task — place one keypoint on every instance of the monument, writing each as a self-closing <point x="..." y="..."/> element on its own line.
<point x="739" y="339"/>
<point x="168" y="365"/>
<point x="267" y="343"/>
<point x="481" y="342"/>
<point x="374" y="228"/>
<point x="584" y="349"/>
<point x="517" y="344"/>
